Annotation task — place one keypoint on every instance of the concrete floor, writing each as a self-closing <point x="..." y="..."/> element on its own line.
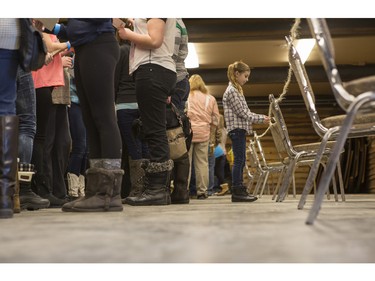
<point x="205" y="231"/>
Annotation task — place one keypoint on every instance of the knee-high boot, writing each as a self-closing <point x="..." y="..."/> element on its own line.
<point x="156" y="185"/>
<point x="103" y="190"/>
<point x="180" y="193"/>
<point x="8" y="163"/>
<point x="137" y="174"/>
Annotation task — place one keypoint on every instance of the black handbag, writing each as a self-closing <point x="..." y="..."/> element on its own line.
<point x="32" y="49"/>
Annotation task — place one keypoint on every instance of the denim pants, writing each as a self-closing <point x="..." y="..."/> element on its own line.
<point x="79" y="152"/>
<point x="8" y="75"/>
<point x="26" y="111"/>
<point x="135" y="147"/>
<point x="211" y="174"/>
<point x="180" y="93"/>
<point x="238" y="137"/>
<point x="153" y="85"/>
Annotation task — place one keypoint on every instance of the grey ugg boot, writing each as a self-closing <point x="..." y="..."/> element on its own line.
<point x="156" y="185"/>
<point x="103" y="189"/>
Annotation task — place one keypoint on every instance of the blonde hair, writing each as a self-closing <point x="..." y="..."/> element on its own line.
<point x="239" y="66"/>
<point x="197" y="83"/>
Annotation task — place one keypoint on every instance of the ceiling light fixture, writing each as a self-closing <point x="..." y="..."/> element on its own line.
<point x="192" y="60"/>
<point x="304" y="48"/>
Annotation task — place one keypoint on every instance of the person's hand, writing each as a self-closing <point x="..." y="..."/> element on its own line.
<point x="67" y="61"/>
<point x="38" y="25"/>
<point x="122" y="33"/>
<point x="267" y="120"/>
<point x="48" y="58"/>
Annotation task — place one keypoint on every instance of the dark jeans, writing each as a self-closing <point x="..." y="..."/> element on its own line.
<point x="220" y="169"/>
<point x="26" y="111"/>
<point x="79" y="152"/>
<point x="8" y="74"/>
<point x="153" y="84"/>
<point x="135" y="147"/>
<point x="180" y="93"/>
<point x="238" y="137"/>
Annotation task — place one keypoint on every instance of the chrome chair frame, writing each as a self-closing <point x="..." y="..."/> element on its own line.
<point x="325" y="133"/>
<point x="298" y="155"/>
<point x="357" y="96"/>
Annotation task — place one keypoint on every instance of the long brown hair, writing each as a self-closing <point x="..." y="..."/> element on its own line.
<point x="239" y="66"/>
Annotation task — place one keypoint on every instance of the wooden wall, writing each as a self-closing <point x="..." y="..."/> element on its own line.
<point x="356" y="160"/>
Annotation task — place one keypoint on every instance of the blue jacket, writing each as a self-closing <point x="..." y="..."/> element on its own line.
<point x="83" y="31"/>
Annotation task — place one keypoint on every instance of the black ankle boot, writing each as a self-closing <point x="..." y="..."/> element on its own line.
<point x="29" y="200"/>
<point x="240" y="194"/>
<point x="42" y="187"/>
<point x="156" y="185"/>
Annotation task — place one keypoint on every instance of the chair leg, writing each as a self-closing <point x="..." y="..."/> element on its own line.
<point x="314" y="169"/>
<point x="335" y="155"/>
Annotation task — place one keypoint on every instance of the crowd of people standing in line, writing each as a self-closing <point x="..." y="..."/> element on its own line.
<point x="77" y="144"/>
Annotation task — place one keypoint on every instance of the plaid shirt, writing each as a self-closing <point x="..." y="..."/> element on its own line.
<point x="237" y="114"/>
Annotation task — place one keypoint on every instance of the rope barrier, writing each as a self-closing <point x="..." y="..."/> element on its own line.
<point x="294" y="35"/>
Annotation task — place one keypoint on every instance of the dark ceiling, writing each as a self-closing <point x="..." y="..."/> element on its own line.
<point x="260" y="42"/>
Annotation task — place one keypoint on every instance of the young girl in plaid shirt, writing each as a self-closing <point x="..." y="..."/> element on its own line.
<point x="239" y="120"/>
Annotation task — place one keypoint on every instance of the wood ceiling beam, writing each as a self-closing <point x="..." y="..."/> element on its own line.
<point x="223" y="30"/>
<point x="270" y="75"/>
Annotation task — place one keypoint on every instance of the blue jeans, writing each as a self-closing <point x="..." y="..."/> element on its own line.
<point x="238" y="137"/>
<point x="135" y="147"/>
<point x="26" y="111"/>
<point x="180" y="93"/>
<point x="79" y="153"/>
<point x="211" y="174"/>
<point x="8" y="75"/>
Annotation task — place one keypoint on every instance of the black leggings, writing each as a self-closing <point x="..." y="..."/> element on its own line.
<point x="94" y="69"/>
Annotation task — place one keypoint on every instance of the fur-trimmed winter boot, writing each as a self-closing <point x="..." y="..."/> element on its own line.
<point x="8" y="163"/>
<point x="103" y="189"/>
<point x="156" y="185"/>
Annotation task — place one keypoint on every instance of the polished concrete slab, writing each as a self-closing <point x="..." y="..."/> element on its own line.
<point x="205" y="231"/>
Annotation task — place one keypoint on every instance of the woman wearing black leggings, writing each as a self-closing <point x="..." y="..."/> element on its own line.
<point x="97" y="53"/>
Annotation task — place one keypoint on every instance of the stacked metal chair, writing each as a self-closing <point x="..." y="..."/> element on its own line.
<point x="293" y="155"/>
<point x="356" y="98"/>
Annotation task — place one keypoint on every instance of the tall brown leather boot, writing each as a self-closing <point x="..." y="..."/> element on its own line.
<point x="16" y="198"/>
<point x="8" y="163"/>
<point x="180" y="193"/>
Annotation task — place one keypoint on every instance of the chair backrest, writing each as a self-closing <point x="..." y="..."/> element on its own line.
<point x="320" y="32"/>
<point x="307" y="92"/>
<point x="279" y="131"/>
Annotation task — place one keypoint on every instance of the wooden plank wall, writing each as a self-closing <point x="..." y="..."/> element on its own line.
<point x="358" y="177"/>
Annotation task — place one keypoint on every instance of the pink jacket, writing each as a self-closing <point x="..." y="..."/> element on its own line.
<point x="203" y="113"/>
